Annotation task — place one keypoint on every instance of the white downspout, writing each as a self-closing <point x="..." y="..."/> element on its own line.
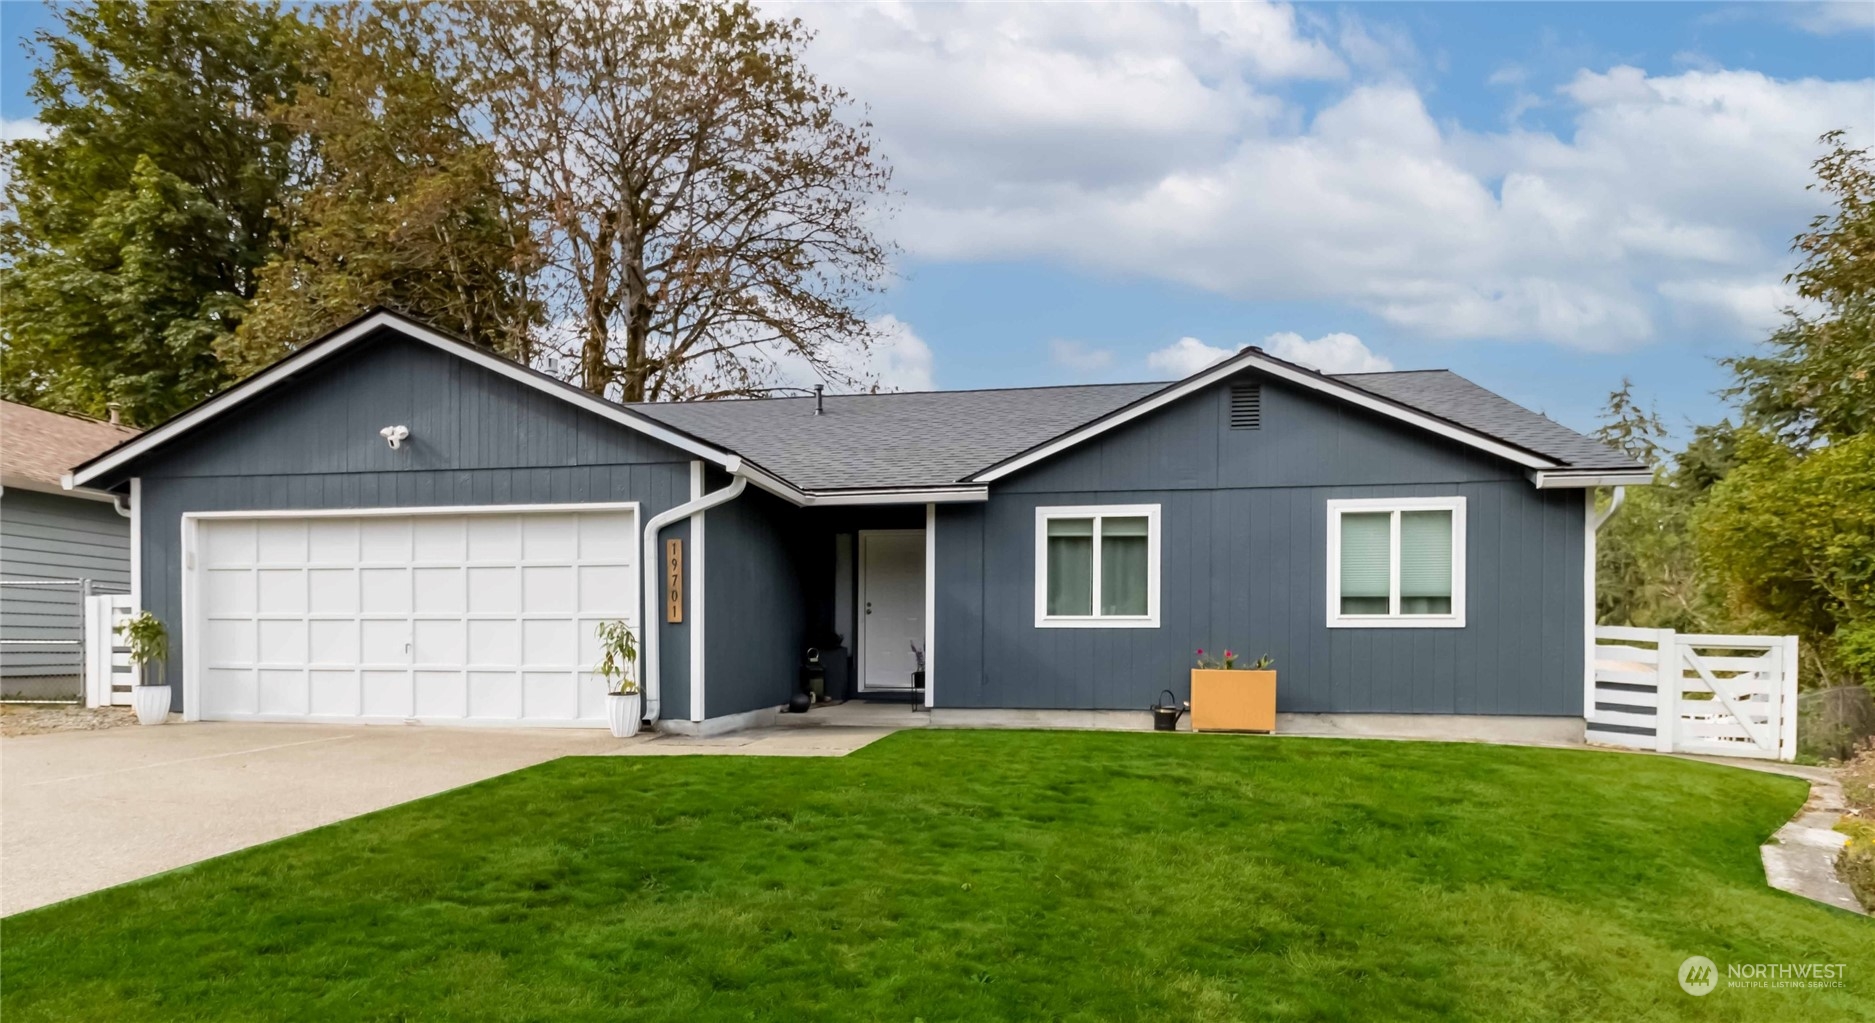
<point x="654" y="577"/>
<point x="1602" y="517"/>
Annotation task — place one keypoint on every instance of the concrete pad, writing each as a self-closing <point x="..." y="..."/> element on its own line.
<point x="80" y="811"/>
<point x="829" y="741"/>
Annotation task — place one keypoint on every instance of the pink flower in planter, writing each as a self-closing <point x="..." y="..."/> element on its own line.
<point x="1201" y="651"/>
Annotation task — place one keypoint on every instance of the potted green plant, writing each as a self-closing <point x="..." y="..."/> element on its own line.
<point x="1229" y="697"/>
<point x="618" y="655"/>
<point x="148" y="644"/>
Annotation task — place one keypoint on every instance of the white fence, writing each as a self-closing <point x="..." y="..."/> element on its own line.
<point x="1731" y="696"/>
<point x="108" y="672"/>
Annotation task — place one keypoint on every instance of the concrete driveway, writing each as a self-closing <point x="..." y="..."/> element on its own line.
<point x="80" y="811"/>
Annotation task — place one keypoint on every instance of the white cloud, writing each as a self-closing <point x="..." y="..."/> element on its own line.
<point x="1330" y="353"/>
<point x="1186" y="356"/>
<point x="901" y="360"/>
<point x="1078" y="357"/>
<point x="1157" y="141"/>
<point x="1829" y="18"/>
<point x="20" y="128"/>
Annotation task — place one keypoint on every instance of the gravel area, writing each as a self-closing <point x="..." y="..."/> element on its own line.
<point x="39" y="718"/>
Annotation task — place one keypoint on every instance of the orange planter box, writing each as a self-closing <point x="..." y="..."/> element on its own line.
<point x="1233" y="701"/>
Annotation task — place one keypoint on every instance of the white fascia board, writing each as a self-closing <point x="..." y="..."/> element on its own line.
<point x="333" y="345"/>
<point x="900" y="495"/>
<point x="63" y="488"/>
<point x="1564" y="479"/>
<point x="1280" y="371"/>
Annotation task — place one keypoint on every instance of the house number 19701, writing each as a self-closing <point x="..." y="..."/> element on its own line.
<point x="674" y="581"/>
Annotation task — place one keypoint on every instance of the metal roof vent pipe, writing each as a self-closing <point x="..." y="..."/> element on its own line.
<point x="819" y="406"/>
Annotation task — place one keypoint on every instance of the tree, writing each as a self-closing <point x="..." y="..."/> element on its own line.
<point x="1646" y="568"/>
<point x="397" y="203"/>
<point x="1817" y="383"/>
<point x="1632" y="428"/>
<point x="1791" y="538"/>
<point x="701" y="202"/>
<point x="135" y="230"/>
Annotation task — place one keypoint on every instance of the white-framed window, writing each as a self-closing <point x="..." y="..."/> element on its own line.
<point x="1396" y="562"/>
<point x="1097" y="566"/>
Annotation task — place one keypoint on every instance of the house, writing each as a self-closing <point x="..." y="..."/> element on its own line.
<point x="391" y="525"/>
<point x="56" y="546"/>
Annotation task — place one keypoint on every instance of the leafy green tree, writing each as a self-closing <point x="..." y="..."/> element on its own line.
<point x="1817" y="382"/>
<point x="1645" y="565"/>
<point x="135" y="231"/>
<point x="1790" y="537"/>
<point x="397" y="204"/>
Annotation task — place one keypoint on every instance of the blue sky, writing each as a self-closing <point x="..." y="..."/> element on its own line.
<point x="1543" y="197"/>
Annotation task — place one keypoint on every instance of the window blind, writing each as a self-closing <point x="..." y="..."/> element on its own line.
<point x="1366" y="563"/>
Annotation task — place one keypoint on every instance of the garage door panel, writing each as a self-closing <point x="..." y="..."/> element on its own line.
<point x="550" y="696"/>
<point x="229" y="691"/>
<point x="438" y="641"/>
<point x="283" y="692"/>
<point x="332" y="541"/>
<point x="474" y="617"/>
<point x="332" y="591"/>
<point x="440" y="539"/>
<point x="494" y="591"/>
<point x="386" y="694"/>
<point x="228" y="591"/>
<point x="227" y="543"/>
<point x="281" y="590"/>
<point x="334" y="693"/>
<point x="439" y="590"/>
<point x="442" y="694"/>
<point x="332" y="641"/>
<point x="384" y="540"/>
<point x="548" y="642"/>
<point x="384" y="590"/>
<point x="282" y="641"/>
<point x="495" y="694"/>
<point x="495" y="538"/>
<point x="548" y="589"/>
<point x="495" y="643"/>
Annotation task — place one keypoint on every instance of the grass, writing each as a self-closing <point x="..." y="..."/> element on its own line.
<point x="984" y="875"/>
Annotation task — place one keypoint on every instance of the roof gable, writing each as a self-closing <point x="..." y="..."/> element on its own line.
<point x="360" y="330"/>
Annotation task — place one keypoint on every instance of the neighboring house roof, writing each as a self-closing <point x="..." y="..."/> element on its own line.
<point x="915" y="439"/>
<point x="959" y="440"/>
<point x="38" y="447"/>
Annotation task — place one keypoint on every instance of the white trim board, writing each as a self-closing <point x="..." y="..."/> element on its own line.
<point x="1149" y="620"/>
<point x="1339" y="506"/>
<point x="333" y="344"/>
<point x="1566" y="480"/>
<point x="1251" y="358"/>
<point x="930" y="599"/>
<point x="697" y="603"/>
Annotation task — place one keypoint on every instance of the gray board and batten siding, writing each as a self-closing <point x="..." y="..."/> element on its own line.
<point x="1244" y="566"/>
<point x="476" y="438"/>
<point x="48" y="537"/>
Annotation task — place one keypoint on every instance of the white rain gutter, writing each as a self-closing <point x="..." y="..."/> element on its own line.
<point x="1621" y="496"/>
<point x="654" y="575"/>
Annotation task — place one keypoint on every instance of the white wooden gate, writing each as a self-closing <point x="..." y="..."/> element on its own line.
<point x="1730" y="696"/>
<point x="108" y="673"/>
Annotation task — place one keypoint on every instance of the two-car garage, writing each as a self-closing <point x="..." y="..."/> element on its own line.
<point x="459" y="615"/>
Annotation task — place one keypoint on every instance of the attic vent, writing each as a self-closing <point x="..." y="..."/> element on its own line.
<point x="1246" y="406"/>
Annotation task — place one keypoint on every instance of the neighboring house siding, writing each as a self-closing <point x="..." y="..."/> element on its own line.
<point x="1244" y="565"/>
<point x="756" y="551"/>
<point x="476" y="439"/>
<point x="46" y="536"/>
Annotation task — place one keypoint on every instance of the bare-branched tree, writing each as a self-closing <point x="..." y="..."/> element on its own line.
<point x="703" y="205"/>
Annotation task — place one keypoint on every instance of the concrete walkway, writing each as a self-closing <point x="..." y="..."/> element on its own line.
<point x="81" y="811"/>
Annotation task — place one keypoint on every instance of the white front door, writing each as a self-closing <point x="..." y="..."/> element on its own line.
<point x="468" y="616"/>
<point x="891" y="613"/>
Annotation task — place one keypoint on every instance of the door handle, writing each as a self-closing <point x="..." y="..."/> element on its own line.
<point x="869" y="607"/>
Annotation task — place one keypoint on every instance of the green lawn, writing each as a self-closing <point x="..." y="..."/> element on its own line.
<point x="983" y="875"/>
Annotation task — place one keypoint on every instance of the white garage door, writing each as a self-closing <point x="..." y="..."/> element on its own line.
<point x="472" y="618"/>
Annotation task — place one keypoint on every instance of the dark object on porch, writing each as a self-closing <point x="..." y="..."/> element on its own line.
<point x="800" y="703"/>
<point x="1165" y="715"/>
<point x="814" y="676"/>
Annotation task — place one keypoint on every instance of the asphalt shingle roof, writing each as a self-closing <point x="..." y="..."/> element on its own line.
<point x="42" y="446"/>
<point x="924" y="438"/>
<point x="931" y="438"/>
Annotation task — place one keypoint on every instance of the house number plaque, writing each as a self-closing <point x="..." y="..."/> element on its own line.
<point x="674" y="581"/>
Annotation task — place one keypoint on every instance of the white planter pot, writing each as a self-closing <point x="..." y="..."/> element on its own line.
<point x="152" y="703"/>
<point x="622" y="713"/>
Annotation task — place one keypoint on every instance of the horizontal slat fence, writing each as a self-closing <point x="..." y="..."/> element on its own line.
<point x="1730" y="696"/>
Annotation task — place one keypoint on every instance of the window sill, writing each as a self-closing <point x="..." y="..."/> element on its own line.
<point x="1402" y="622"/>
<point x="1148" y="622"/>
